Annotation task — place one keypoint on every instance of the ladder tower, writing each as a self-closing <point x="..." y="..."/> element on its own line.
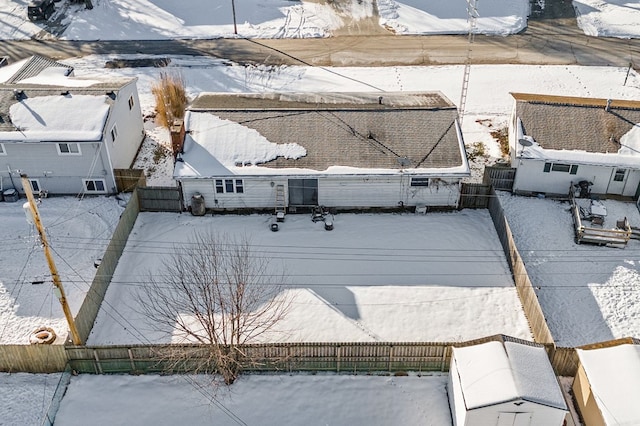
<point x="472" y="17"/>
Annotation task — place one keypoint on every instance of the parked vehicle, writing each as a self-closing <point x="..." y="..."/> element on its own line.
<point x="40" y="9"/>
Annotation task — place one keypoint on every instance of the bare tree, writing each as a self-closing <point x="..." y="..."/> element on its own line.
<point x="218" y="292"/>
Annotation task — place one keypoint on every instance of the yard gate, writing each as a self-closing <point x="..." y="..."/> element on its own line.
<point x="474" y="196"/>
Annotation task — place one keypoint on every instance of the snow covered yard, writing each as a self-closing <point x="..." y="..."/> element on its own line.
<point x="26" y="397"/>
<point x="610" y="18"/>
<point x="78" y="231"/>
<point x="375" y="277"/>
<point x="257" y="400"/>
<point x="588" y="293"/>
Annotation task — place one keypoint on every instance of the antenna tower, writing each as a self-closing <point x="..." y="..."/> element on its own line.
<point x="472" y="16"/>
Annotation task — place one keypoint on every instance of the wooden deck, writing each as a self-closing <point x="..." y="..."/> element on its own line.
<point x="611" y="237"/>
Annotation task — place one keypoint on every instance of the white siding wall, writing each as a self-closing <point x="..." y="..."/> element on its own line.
<point x="541" y="415"/>
<point x="129" y="125"/>
<point x="333" y="191"/>
<point x="532" y="178"/>
<point x="456" y="399"/>
<point x="58" y="174"/>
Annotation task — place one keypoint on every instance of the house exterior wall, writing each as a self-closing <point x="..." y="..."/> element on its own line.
<point x="333" y="191"/>
<point x="585" y="400"/>
<point x="128" y="122"/>
<point x="56" y="173"/>
<point x="541" y="415"/>
<point x="531" y="177"/>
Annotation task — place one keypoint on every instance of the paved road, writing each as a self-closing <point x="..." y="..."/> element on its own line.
<point x="552" y="37"/>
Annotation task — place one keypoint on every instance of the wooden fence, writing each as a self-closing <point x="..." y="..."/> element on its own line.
<point x="526" y="293"/>
<point x="33" y="358"/>
<point x="361" y="357"/>
<point x="129" y="179"/>
<point x="474" y="196"/>
<point x="501" y="178"/>
<point x="94" y="297"/>
<point x="160" y="199"/>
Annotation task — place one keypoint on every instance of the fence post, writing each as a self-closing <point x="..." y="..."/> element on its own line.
<point x="338" y="353"/>
<point x="390" y="356"/>
<point x="98" y="366"/>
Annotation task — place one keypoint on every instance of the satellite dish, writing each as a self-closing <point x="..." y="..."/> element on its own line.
<point x="525" y="142"/>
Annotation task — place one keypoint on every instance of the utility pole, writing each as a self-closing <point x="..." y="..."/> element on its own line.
<point x="233" y="10"/>
<point x="59" y="289"/>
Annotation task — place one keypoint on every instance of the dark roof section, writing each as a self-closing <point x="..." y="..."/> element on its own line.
<point x="34" y="66"/>
<point x="320" y="101"/>
<point x="570" y="123"/>
<point x="362" y="130"/>
<point x="13" y="93"/>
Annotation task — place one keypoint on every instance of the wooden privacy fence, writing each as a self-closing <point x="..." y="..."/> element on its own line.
<point x="129" y="179"/>
<point x="526" y="293"/>
<point x="160" y="199"/>
<point x="358" y="357"/>
<point x="94" y="297"/>
<point x="33" y="358"/>
<point x="501" y="178"/>
<point x="474" y="196"/>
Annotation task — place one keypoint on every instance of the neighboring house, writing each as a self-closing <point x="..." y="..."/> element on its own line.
<point x="339" y="150"/>
<point x="607" y="385"/>
<point x="67" y="134"/>
<point x="504" y="384"/>
<point x="556" y="140"/>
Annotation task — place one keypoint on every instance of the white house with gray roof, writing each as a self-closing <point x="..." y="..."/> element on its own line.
<point x="339" y="150"/>
<point x="557" y="140"/>
<point x="67" y="134"/>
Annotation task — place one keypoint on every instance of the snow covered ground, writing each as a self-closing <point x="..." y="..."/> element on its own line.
<point x="78" y="231"/>
<point x="164" y="19"/>
<point x="26" y="397"/>
<point x="375" y="277"/>
<point x="322" y="399"/>
<point x="588" y="293"/>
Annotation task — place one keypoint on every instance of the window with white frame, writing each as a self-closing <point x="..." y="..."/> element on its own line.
<point x="35" y="185"/>
<point x="95" y="186"/>
<point x="619" y="175"/>
<point x="114" y="133"/>
<point x="2" y="151"/>
<point x="229" y="186"/>
<point x="572" y="169"/>
<point x="67" y="148"/>
<point x="131" y="102"/>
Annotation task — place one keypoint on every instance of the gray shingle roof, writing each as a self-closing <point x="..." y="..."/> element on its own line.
<point x="34" y="66"/>
<point x="349" y="129"/>
<point x="569" y="123"/>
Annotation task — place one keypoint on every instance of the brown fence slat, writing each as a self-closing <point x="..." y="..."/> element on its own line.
<point x="501" y="178"/>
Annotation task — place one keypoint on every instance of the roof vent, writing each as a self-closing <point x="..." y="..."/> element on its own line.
<point x="112" y="95"/>
<point x="608" y="107"/>
<point x="19" y="94"/>
<point x="380" y="100"/>
<point x="65" y="93"/>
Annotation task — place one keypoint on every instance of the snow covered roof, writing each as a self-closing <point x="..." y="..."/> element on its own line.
<point x="33" y="66"/>
<point x="495" y="372"/>
<point x="585" y="130"/>
<point x="51" y="106"/>
<point x="332" y="133"/>
<point x="614" y="377"/>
